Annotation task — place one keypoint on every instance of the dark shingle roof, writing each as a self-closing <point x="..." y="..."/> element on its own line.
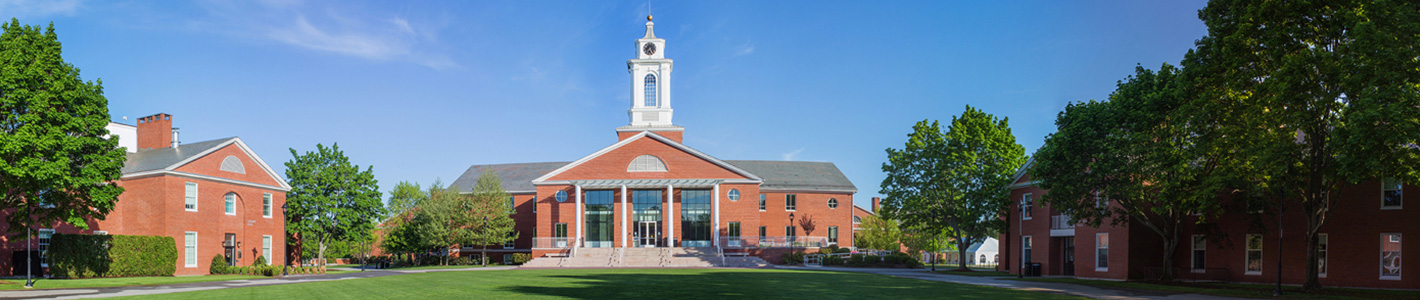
<point x="517" y="178"/>
<point x="797" y="175"/>
<point x="158" y="159"/>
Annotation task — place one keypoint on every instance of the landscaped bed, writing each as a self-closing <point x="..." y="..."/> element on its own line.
<point x="44" y="283"/>
<point x="1239" y="290"/>
<point x="622" y="283"/>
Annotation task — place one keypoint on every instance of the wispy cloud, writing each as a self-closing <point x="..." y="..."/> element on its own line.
<point x="38" y="8"/>
<point x="792" y="155"/>
<point x="376" y="36"/>
<point x="303" y="34"/>
<point x="744" y="49"/>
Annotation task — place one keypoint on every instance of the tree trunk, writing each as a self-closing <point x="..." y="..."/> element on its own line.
<point x="320" y="254"/>
<point x="484" y="257"/>
<point x="1170" y="246"/>
<point x="1313" y="261"/>
<point x="961" y="254"/>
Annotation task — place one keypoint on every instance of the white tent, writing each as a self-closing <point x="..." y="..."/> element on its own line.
<point x="983" y="253"/>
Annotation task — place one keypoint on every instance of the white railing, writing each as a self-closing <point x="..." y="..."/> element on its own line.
<point x="775" y="242"/>
<point x="1061" y="222"/>
<point x="552" y="243"/>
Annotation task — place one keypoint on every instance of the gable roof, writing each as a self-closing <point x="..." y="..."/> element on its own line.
<point x="1015" y="179"/>
<point x="167" y="160"/>
<point x="797" y="175"/>
<point x="517" y="177"/>
<point x="651" y="135"/>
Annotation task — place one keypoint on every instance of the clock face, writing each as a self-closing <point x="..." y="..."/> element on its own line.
<point x="649" y="49"/>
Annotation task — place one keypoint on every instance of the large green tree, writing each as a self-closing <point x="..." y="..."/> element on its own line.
<point x="492" y="208"/>
<point x="1136" y="159"/>
<point x="1316" y="95"/>
<point x="330" y="198"/>
<point x="950" y="179"/>
<point x="55" y="163"/>
<point x="879" y="234"/>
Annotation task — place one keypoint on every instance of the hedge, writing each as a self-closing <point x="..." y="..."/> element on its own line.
<point x="87" y="256"/>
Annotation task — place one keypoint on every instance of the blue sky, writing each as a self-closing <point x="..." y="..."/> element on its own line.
<point x="423" y="89"/>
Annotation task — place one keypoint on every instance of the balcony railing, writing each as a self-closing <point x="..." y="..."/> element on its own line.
<point x="552" y="243"/>
<point x="774" y="241"/>
<point x="1062" y="222"/>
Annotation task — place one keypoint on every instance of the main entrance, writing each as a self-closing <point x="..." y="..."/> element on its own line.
<point x="647" y="233"/>
<point x="1069" y="255"/>
<point x="646" y="217"/>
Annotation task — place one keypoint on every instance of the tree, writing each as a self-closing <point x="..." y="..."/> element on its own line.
<point x="55" y="163"/>
<point x="950" y="179"/>
<point x="878" y="233"/>
<point x="400" y="229"/>
<point x="1318" y="94"/>
<point x="1136" y="159"/>
<point x="330" y="198"/>
<point x="491" y="204"/>
<point x="921" y="240"/>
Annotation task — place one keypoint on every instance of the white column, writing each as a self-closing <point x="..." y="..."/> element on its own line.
<point x="578" y="189"/>
<point x="670" y="216"/>
<point x="624" y="216"/>
<point x="715" y="227"/>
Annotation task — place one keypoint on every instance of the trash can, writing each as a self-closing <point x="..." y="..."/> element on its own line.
<point x="1035" y="269"/>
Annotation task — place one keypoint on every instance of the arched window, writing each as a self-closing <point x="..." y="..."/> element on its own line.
<point x="232" y="164"/>
<point x="650" y="90"/>
<point x="646" y="163"/>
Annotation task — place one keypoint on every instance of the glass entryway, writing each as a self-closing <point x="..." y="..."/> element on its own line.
<point x="647" y="234"/>
<point x="599" y="218"/>
<point x="229" y="248"/>
<point x="646" y="216"/>
<point x="695" y="218"/>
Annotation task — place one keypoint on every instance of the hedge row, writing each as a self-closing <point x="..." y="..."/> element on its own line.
<point x="259" y="267"/>
<point x="87" y="256"/>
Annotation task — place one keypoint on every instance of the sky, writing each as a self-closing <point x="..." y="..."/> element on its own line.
<point x="421" y="90"/>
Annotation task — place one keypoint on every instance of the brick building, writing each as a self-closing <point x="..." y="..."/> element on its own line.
<point x="213" y="197"/>
<point x="650" y="190"/>
<point x="1360" y="244"/>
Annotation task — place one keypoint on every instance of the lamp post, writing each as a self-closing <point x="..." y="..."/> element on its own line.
<point x="288" y="251"/>
<point x="790" y="239"/>
<point x="1020" y="236"/>
<point x="484" y="256"/>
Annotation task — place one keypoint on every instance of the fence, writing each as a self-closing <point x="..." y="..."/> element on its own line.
<point x="1061" y="222"/>
<point x="551" y="243"/>
<point x="774" y="242"/>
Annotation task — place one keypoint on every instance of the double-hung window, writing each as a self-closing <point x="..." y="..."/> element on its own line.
<point x="45" y="235"/>
<point x="1102" y="252"/>
<point x="266" y="205"/>
<point x="1200" y="251"/>
<point x="189" y="249"/>
<point x="512" y="205"/>
<point x="762" y="198"/>
<point x="230" y="204"/>
<point x="791" y="202"/>
<point x="509" y="244"/>
<point x="833" y="235"/>
<point x="266" y="249"/>
<point x="559" y="235"/>
<point x="1390" y="256"/>
<point x="1391" y="192"/>
<point x="1026" y="249"/>
<point x="763" y="231"/>
<point x="1321" y="241"/>
<point x="1254" y="255"/>
<point x="1026" y="204"/>
<point x="190" y="197"/>
<point x="789" y="231"/>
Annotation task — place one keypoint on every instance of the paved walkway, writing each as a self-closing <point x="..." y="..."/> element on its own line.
<point x="1034" y="286"/>
<point x="212" y="285"/>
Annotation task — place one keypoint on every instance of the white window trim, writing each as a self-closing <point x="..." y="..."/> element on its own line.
<point x="1381" y="268"/>
<point x="832" y="203"/>
<point x="268" y="204"/>
<point x="195" y="196"/>
<point x="266" y="249"/>
<point x="1323" y="236"/>
<point x="734" y="195"/>
<point x="786" y="202"/>
<point x="1030" y="205"/>
<point x="1192" y="259"/>
<point x="1402" y="196"/>
<point x="763" y="202"/>
<point x="233" y="198"/>
<point x="1097" y="252"/>
<point x="1027" y="243"/>
<point x="100" y="232"/>
<point x="44" y="255"/>
<point x="186" y="256"/>
<point x="1261" y="244"/>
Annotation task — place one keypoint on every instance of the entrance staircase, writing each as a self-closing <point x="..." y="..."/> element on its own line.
<point x="704" y="257"/>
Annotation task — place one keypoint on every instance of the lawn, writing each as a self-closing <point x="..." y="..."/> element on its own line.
<point x="622" y="283"/>
<point x="1240" y="290"/>
<point x="17" y="284"/>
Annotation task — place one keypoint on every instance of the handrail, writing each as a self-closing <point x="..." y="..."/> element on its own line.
<point x="551" y="243"/>
<point x="1061" y="222"/>
<point x="774" y="242"/>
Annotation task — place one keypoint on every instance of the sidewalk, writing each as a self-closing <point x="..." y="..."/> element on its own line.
<point x="1045" y="287"/>
<point x="212" y="285"/>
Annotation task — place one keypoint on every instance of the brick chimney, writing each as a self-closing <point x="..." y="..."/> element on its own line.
<point x="876" y="203"/>
<point x="156" y="132"/>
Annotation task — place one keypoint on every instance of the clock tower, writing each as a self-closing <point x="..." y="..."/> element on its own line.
<point x="650" y="88"/>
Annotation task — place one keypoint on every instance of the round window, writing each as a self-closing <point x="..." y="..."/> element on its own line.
<point x="561" y="196"/>
<point x="734" y="195"/>
<point x="832" y="202"/>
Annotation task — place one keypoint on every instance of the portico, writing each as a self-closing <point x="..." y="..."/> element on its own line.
<point x="648" y="212"/>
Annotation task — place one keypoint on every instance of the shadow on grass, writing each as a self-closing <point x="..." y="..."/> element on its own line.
<point x="765" y="284"/>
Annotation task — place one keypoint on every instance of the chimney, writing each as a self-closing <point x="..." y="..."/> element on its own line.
<point x="876" y="202"/>
<point x="175" y="137"/>
<point x="156" y="132"/>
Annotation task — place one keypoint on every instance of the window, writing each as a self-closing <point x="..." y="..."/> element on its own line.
<point x="1254" y="255"/>
<point x="833" y="235"/>
<point x="100" y="232"/>
<point x="559" y="234"/>
<point x="509" y="244"/>
<point x="762" y="201"/>
<point x="266" y="205"/>
<point x="266" y="249"/>
<point x="832" y="202"/>
<point x="1101" y="201"/>
<point x="44" y="236"/>
<point x="1025" y="248"/>
<point x="598" y="217"/>
<point x="646" y="163"/>
<point x="734" y="229"/>
<point x="857" y="220"/>
<point x="512" y="205"/>
<point x="650" y="90"/>
<point x="190" y="200"/>
<point x="561" y="196"/>
<point x="232" y="164"/>
<point x="1101" y="252"/>
<point x="763" y="232"/>
<point x="734" y="195"/>
<point x="695" y="218"/>
<point x="231" y="203"/>
<point x="508" y="259"/>
<point x="791" y="202"/>
<point x="189" y="249"/>
<point x="1390" y="256"/>
<point x="1200" y="247"/>
<point x="1026" y="203"/>
<point x="1321" y="241"/>
<point x="1391" y="193"/>
<point x="789" y="231"/>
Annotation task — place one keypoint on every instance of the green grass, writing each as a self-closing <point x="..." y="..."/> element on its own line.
<point x="622" y="283"/>
<point x="18" y="284"/>
<point x="429" y="267"/>
<point x="1239" y="290"/>
<point x="976" y="273"/>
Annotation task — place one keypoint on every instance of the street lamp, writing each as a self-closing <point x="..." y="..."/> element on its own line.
<point x="1020" y="236"/>
<point x="288" y="251"/>
<point x="790" y="239"/>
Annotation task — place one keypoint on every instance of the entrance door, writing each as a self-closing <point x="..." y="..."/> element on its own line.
<point x="229" y="245"/>
<point x="1069" y="256"/>
<point x="647" y="233"/>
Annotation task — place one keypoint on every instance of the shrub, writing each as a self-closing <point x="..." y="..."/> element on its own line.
<point x="793" y="258"/>
<point x="462" y="261"/>
<point x="832" y="261"/>
<point x="260" y="261"/>
<point x="520" y="258"/>
<point x="219" y="265"/>
<point x="843" y="250"/>
<point x="85" y="256"/>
